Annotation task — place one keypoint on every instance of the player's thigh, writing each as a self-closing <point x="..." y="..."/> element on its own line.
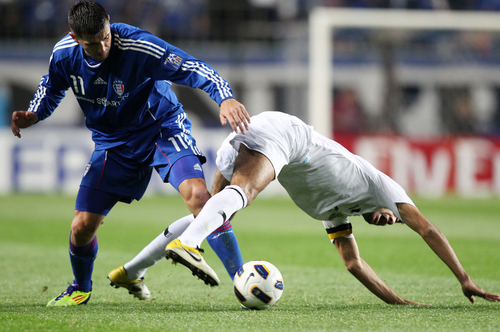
<point x="91" y="207"/>
<point x="185" y="168"/>
<point x="252" y="171"/>
<point x="117" y="171"/>
<point x="95" y="201"/>
<point x="177" y="158"/>
<point x="186" y="176"/>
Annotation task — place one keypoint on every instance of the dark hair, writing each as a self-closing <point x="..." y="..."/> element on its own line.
<point x="87" y="18"/>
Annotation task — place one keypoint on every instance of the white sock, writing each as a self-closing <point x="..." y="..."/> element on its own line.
<point x="216" y="211"/>
<point x="155" y="251"/>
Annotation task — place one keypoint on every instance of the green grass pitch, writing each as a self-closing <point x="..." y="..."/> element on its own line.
<point x="319" y="295"/>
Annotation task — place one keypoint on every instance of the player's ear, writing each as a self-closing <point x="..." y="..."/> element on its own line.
<point x="73" y="36"/>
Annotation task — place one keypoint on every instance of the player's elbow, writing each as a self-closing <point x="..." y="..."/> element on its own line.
<point x="353" y="265"/>
<point x="429" y="232"/>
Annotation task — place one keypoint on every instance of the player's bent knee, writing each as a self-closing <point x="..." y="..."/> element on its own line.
<point x="81" y="232"/>
<point x="195" y="198"/>
<point x="85" y="224"/>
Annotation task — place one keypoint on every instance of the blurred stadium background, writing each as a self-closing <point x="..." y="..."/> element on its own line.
<point x="421" y="105"/>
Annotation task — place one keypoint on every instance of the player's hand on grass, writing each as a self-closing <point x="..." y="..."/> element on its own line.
<point x="470" y="290"/>
<point x="21" y="120"/>
<point x="406" y="302"/>
<point x="234" y="112"/>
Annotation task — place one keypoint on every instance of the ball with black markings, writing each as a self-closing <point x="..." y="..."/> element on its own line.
<point x="258" y="285"/>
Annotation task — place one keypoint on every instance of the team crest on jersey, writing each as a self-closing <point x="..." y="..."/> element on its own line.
<point x="119" y="88"/>
<point x="173" y="60"/>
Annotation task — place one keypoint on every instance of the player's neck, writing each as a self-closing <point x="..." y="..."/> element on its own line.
<point x="91" y="61"/>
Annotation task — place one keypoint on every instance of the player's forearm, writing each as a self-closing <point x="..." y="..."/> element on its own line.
<point x="440" y="245"/>
<point x="434" y="239"/>
<point x="364" y="273"/>
<point x="46" y="99"/>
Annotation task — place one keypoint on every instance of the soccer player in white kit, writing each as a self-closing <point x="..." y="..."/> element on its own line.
<point x="326" y="181"/>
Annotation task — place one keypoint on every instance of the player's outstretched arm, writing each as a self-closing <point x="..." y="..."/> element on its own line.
<point x="348" y="250"/>
<point x="234" y="112"/>
<point x="21" y="120"/>
<point x="440" y="245"/>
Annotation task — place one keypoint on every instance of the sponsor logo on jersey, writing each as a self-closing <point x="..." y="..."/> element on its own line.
<point x="197" y="167"/>
<point x="119" y="88"/>
<point x="104" y="101"/>
<point x="99" y="81"/>
<point x="173" y="60"/>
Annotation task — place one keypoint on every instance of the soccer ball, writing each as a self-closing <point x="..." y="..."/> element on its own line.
<point x="258" y="285"/>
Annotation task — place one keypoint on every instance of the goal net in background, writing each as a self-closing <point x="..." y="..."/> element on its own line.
<point x="417" y="93"/>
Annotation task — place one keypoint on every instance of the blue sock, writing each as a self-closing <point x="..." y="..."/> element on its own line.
<point x="82" y="262"/>
<point x="224" y="243"/>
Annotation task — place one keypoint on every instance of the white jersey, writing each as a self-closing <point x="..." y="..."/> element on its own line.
<point x="322" y="177"/>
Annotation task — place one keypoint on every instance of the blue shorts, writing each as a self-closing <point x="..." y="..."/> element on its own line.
<point x="101" y="202"/>
<point x="125" y="170"/>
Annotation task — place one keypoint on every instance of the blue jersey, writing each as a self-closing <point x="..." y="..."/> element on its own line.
<point x="130" y="90"/>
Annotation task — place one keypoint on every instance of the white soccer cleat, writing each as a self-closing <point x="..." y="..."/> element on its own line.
<point x="119" y="278"/>
<point x="192" y="259"/>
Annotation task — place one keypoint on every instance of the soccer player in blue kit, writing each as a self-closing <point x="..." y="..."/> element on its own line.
<point x="121" y="76"/>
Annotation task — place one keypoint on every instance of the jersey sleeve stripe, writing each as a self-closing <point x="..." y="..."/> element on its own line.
<point x="65" y="40"/>
<point x="61" y="45"/>
<point x="203" y="70"/>
<point x="64" y="43"/>
<point x="139" y="50"/>
<point x="140" y="46"/>
<point x="39" y="95"/>
<point x="209" y="72"/>
<point x="145" y="42"/>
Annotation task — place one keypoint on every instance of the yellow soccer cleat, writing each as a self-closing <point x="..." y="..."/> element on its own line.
<point x="192" y="259"/>
<point x="71" y="296"/>
<point x="119" y="278"/>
